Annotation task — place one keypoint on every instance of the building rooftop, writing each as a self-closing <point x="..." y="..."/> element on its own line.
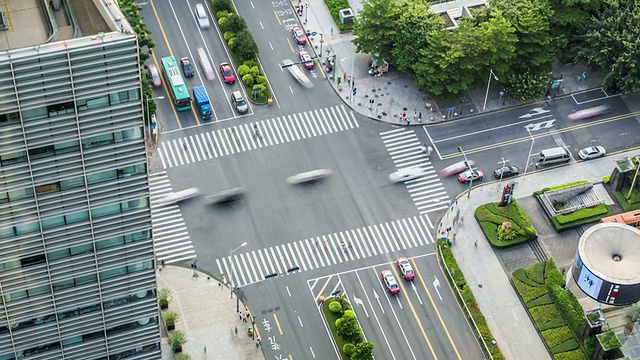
<point x="25" y="23"/>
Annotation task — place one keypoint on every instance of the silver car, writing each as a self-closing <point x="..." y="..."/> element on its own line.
<point x="407" y="174"/>
<point x="308" y="176"/>
<point x="592" y="152"/>
<point x="201" y="15"/>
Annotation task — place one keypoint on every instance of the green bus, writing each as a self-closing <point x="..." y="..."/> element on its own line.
<point x="179" y="92"/>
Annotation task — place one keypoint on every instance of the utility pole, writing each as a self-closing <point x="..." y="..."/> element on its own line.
<point x="504" y="163"/>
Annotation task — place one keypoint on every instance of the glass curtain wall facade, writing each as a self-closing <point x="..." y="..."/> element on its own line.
<point x="77" y="274"/>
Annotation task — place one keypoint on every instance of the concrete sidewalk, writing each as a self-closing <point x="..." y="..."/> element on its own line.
<point x="208" y="317"/>
<point x="511" y="327"/>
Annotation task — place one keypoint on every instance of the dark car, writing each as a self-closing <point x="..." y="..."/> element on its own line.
<point x="505" y="172"/>
<point x="186" y="66"/>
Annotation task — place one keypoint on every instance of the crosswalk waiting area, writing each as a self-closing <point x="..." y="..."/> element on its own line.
<point x="313" y="253"/>
<point x="427" y="192"/>
<point x="170" y="236"/>
<point x="246" y="137"/>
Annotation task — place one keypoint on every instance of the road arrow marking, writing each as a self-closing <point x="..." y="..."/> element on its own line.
<point x="436" y="285"/>
<point x="415" y="290"/>
<point x="360" y="303"/>
<point x="541" y="125"/>
<point x="375" y="295"/>
<point x="533" y="112"/>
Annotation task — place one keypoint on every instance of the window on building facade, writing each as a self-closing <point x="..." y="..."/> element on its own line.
<point x="33" y="260"/>
<point x="41" y="152"/>
<point x="9" y="119"/>
<point x="61" y="108"/>
<point x="13" y="158"/>
<point x="48" y="188"/>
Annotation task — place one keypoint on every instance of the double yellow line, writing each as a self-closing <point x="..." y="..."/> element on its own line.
<point x="538" y="136"/>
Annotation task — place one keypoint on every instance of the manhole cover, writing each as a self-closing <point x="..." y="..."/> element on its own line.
<point x="480" y="286"/>
<point x="366" y="96"/>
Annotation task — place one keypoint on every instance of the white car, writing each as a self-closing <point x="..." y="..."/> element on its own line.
<point x="308" y="176"/>
<point x="592" y="152"/>
<point x="226" y="196"/>
<point x="407" y="174"/>
<point x="179" y="196"/>
<point x="201" y="16"/>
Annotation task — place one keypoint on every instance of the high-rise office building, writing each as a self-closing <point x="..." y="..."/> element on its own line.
<point x="76" y="255"/>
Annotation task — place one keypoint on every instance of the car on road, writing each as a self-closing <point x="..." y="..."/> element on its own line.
<point x="405" y="268"/>
<point x="592" y="152"/>
<point x="390" y="282"/>
<point x="179" y="196"/>
<point x="201" y="16"/>
<point x="306" y="59"/>
<point x="407" y="174"/>
<point x="239" y="103"/>
<point x="589" y="113"/>
<point x="457" y="168"/>
<point x="471" y="175"/>
<point x="154" y="75"/>
<point x="297" y="73"/>
<point x="186" y="66"/>
<point x="227" y="73"/>
<point x="299" y="35"/>
<point x="309" y="176"/>
<point x="506" y="171"/>
<point x="226" y="197"/>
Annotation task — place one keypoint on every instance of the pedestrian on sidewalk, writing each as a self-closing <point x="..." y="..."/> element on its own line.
<point x="331" y="31"/>
<point x="244" y="317"/>
<point x="257" y="341"/>
<point x="240" y="315"/>
<point x="420" y="117"/>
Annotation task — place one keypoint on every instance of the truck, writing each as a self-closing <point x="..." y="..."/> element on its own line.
<point x="202" y="102"/>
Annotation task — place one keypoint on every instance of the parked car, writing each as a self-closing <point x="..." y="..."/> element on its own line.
<point x="299" y="35"/>
<point x="227" y="73"/>
<point x="406" y="269"/>
<point x="306" y="59"/>
<point x="505" y="172"/>
<point x="154" y="75"/>
<point x="201" y="16"/>
<point x="407" y="174"/>
<point x="186" y="66"/>
<point x="239" y="102"/>
<point x="592" y="152"/>
<point x="471" y="175"/>
<point x="390" y="282"/>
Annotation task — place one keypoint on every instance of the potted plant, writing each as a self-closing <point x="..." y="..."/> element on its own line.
<point x="183" y="356"/>
<point x="163" y="298"/>
<point x="176" y="340"/>
<point x="170" y="318"/>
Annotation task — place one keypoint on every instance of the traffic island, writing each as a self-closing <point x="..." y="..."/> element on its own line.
<point x="505" y="226"/>
<point x="345" y="329"/>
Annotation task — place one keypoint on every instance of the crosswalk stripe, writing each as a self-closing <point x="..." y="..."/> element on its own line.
<point x="366" y="235"/>
<point x="255" y="260"/>
<point x="400" y="238"/>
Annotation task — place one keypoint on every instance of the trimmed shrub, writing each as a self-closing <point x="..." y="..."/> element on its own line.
<point x="247" y="80"/>
<point x="569" y="306"/>
<point x="261" y="80"/>
<point x="600" y="209"/>
<point x="554" y="278"/>
<point x="557" y="322"/>
<point x="254" y="71"/>
<point x="228" y="36"/>
<point x="335" y="307"/>
<point x="544" y="313"/>
<point x="536" y="272"/>
<point x="528" y="293"/>
<point x="542" y="300"/>
<point x="556" y="336"/>
<point x="349" y="313"/>
<point x="347" y="327"/>
<point x="563" y="186"/>
<point x="570" y="355"/>
<point x="521" y="275"/>
<point x="243" y="70"/>
<point x="334" y="7"/>
<point x="348" y="349"/>
<point x="568" y="345"/>
<point x="221" y="14"/>
<point x="221" y="5"/>
<point x="233" y="23"/>
<point x="606" y="179"/>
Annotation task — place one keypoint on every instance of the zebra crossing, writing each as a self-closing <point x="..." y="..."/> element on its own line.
<point x="337" y="248"/>
<point x="427" y="192"/>
<point x="170" y="236"/>
<point x="263" y="133"/>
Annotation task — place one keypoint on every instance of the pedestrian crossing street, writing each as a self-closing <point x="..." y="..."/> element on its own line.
<point x="263" y="133"/>
<point x="314" y="253"/>
<point x="427" y="192"/>
<point x="170" y="236"/>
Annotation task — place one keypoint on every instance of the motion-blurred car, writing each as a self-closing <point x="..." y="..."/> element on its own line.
<point x="457" y="168"/>
<point x="154" y="75"/>
<point x="407" y="174"/>
<point x="505" y="172"/>
<point x="589" y="113"/>
<point x="406" y="269"/>
<point x="299" y="35"/>
<point x="308" y="176"/>
<point x="592" y="152"/>
<point x="226" y="197"/>
<point x="186" y="66"/>
<point x="227" y="73"/>
<point x="306" y="59"/>
<point x="390" y="282"/>
<point x="471" y="175"/>
<point x="297" y="73"/>
<point x="179" y="196"/>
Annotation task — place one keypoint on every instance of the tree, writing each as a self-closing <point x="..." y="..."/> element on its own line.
<point x="528" y="85"/>
<point x="364" y="351"/>
<point x="375" y="28"/>
<point x="132" y="12"/>
<point x="569" y="23"/>
<point x="232" y="23"/>
<point x="244" y="46"/>
<point x="611" y="44"/>
<point x="347" y="327"/>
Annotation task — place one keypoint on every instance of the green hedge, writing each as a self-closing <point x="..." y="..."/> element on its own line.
<point x="521" y="275"/>
<point x="334" y="7"/>
<point x="569" y="306"/>
<point x="535" y="272"/>
<point x="563" y="186"/>
<point x="570" y="355"/>
<point x="557" y="322"/>
<point x="622" y="200"/>
<point x="587" y="213"/>
<point x="542" y="300"/>
<point x="556" y="336"/>
<point x="527" y="292"/>
<point x="568" y="345"/>
<point x="544" y="313"/>
<point x="469" y="300"/>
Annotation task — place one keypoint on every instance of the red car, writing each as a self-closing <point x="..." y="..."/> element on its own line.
<point x="406" y="269"/>
<point x="306" y="59"/>
<point x="227" y="73"/>
<point x="390" y="282"/>
<point x="471" y="175"/>
<point x="154" y="75"/>
<point x="299" y="35"/>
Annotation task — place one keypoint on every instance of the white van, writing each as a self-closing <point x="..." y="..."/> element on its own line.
<point x="201" y="16"/>
<point x="554" y="156"/>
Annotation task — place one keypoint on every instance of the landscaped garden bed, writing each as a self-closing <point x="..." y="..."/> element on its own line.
<point x="334" y="7"/>
<point x="345" y="329"/>
<point x="505" y="225"/>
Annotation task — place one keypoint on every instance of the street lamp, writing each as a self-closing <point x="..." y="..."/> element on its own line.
<point x="231" y="275"/>
<point x="504" y="163"/>
<point x="468" y="166"/>
<point x="526" y="165"/>
<point x="486" y="95"/>
<point x="321" y="42"/>
<point x="351" y="76"/>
